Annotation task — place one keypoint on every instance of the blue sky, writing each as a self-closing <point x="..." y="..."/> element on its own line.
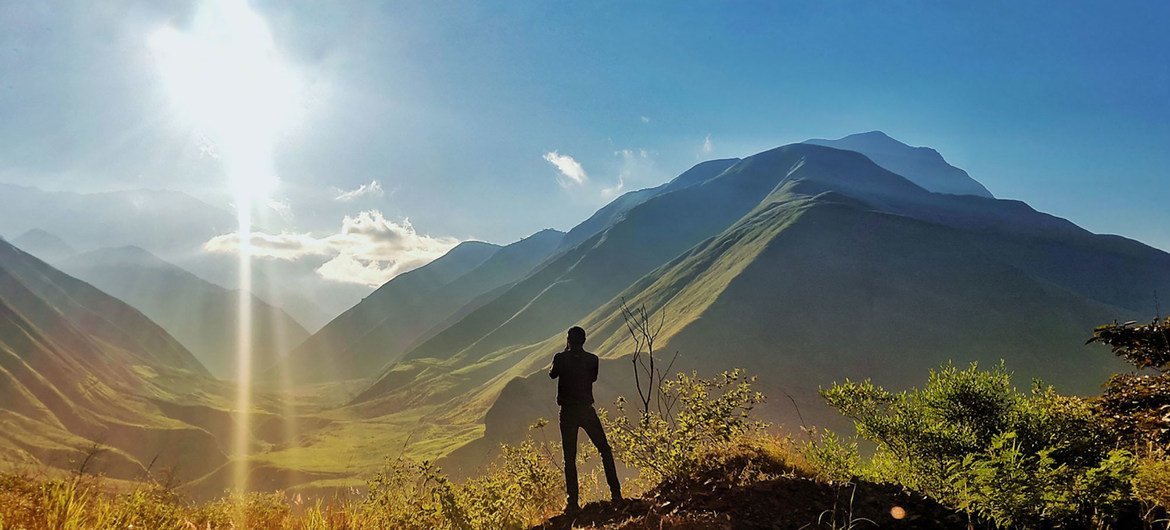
<point x="452" y="106"/>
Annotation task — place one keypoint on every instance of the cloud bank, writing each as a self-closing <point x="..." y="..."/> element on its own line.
<point x="369" y="250"/>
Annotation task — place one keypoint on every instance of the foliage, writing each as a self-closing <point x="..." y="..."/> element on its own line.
<point x="1151" y="485"/>
<point x="412" y="495"/>
<point x="1137" y="409"/>
<point x="710" y="414"/>
<point x="832" y="457"/>
<point x="1143" y="345"/>
<point x="970" y="439"/>
<point x="521" y="488"/>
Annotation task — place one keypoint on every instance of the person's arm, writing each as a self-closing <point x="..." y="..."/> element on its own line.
<point x="593" y="368"/>
<point x="556" y="370"/>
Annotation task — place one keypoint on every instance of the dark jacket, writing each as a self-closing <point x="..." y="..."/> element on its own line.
<point x="575" y="372"/>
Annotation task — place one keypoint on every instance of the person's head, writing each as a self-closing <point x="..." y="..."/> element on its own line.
<point x="576" y="337"/>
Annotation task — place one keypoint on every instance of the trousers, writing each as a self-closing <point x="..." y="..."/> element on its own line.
<point x="574" y="417"/>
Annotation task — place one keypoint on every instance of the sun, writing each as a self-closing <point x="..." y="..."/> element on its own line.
<point x="227" y="79"/>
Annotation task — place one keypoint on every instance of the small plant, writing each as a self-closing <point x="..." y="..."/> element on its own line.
<point x="836" y="519"/>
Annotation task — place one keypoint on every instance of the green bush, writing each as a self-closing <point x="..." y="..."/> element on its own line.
<point x="705" y="427"/>
<point x="971" y="440"/>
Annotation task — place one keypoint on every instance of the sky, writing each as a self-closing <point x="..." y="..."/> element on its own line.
<point x="438" y="121"/>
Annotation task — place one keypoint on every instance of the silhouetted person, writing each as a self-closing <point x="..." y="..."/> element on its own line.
<point x="575" y="370"/>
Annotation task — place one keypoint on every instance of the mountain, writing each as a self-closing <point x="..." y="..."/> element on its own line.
<point x="804" y="264"/>
<point x="415" y="305"/>
<point x="615" y="210"/>
<point x="201" y="315"/>
<point x="83" y="375"/>
<point x="44" y="245"/>
<point x="921" y="165"/>
<point x="329" y="355"/>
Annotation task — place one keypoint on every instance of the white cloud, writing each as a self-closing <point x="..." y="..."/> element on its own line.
<point x="645" y="119"/>
<point x="373" y="189"/>
<point x="707" y="145"/>
<point x="615" y="190"/>
<point x="369" y="250"/>
<point x="282" y="208"/>
<point x="569" y="168"/>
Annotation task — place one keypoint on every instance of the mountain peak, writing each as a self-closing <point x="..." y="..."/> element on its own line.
<point x="921" y="165"/>
<point x="44" y="245"/>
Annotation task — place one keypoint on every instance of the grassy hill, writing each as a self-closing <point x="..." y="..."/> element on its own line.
<point x="81" y="375"/>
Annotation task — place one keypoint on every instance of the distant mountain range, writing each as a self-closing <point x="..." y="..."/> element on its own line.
<point x="201" y="315"/>
<point x="173" y="226"/>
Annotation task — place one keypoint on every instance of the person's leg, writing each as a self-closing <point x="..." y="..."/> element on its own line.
<point x="592" y="425"/>
<point x="569" y="426"/>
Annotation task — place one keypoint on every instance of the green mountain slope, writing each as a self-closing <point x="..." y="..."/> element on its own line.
<point x="808" y="290"/>
<point x="201" y="315"/>
<point x="804" y="264"/>
<point x="83" y="374"/>
<point x="330" y="355"/>
<point x="577" y="281"/>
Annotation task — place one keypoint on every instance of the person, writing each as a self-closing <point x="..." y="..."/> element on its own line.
<point x="575" y="371"/>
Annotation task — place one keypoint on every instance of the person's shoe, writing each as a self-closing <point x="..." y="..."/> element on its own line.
<point x="572" y="508"/>
<point x="615" y="496"/>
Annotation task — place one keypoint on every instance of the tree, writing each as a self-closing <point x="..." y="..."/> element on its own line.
<point x="1137" y="406"/>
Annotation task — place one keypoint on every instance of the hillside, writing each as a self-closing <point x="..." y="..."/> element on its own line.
<point x="199" y="314"/>
<point x="331" y="353"/>
<point x="805" y="265"/>
<point x="616" y="209"/>
<point x="82" y="375"/>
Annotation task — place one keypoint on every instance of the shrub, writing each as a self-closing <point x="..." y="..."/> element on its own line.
<point x="1151" y="485"/>
<point x="971" y="440"/>
<point x="705" y="426"/>
<point x="832" y="458"/>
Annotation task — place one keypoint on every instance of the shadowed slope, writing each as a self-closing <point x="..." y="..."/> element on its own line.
<point x="921" y="165"/>
<point x="806" y="291"/>
<point x="613" y="212"/>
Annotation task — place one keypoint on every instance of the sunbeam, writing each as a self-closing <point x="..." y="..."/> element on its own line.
<point x="227" y="79"/>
